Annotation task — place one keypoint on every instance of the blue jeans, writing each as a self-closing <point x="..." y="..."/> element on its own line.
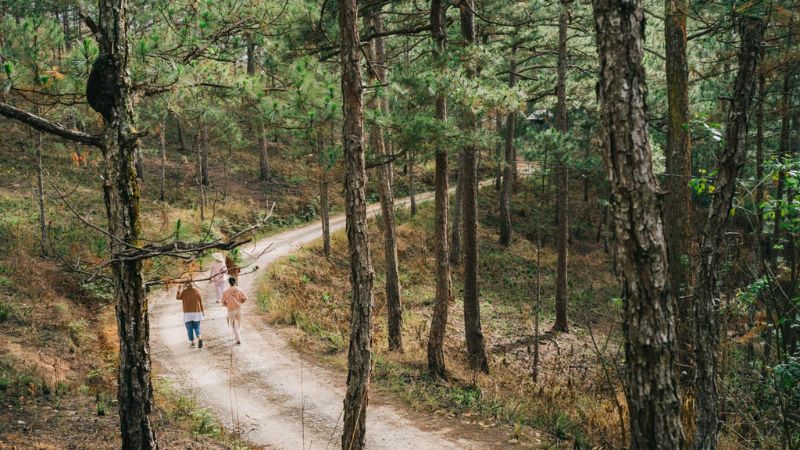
<point x="193" y="328"/>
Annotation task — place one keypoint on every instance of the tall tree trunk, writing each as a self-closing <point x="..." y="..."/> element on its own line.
<point x="40" y="190"/>
<point x="162" y="143"/>
<point x="359" y="355"/>
<point x="731" y="159"/>
<point x="436" y="363"/>
<point x="562" y="177"/>
<point x="455" y="225"/>
<point x="677" y="202"/>
<point x="476" y="351"/>
<point x="378" y="143"/>
<point x="505" y="194"/>
<point x="263" y="155"/>
<point x="121" y="193"/>
<point x="498" y="153"/>
<point x="323" y="196"/>
<point x="651" y="384"/>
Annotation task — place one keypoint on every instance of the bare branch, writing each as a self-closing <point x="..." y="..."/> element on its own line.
<point x="189" y="250"/>
<point x="44" y="125"/>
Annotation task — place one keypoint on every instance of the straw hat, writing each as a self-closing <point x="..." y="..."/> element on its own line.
<point x="218" y="257"/>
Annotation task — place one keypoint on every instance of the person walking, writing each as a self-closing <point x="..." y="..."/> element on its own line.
<point x="192" y="311"/>
<point x="233" y="298"/>
<point x="217" y="274"/>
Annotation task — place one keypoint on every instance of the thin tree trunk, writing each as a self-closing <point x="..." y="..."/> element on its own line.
<point x="455" y="226"/>
<point x="378" y="143"/>
<point x="412" y="185"/>
<point x="677" y="202"/>
<point x="162" y="142"/>
<point x="731" y="159"/>
<point x="498" y="153"/>
<point x="323" y="197"/>
<point x="251" y="55"/>
<point x="179" y="127"/>
<point x="562" y="178"/>
<point x="40" y="190"/>
<point x="204" y="156"/>
<point x="651" y="384"/>
<point x="761" y="244"/>
<point x="263" y="155"/>
<point x="436" y="363"/>
<point x="476" y="351"/>
<point x="562" y="243"/>
<point x="359" y="356"/>
<point x="505" y="194"/>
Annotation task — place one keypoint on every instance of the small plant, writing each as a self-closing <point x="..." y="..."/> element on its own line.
<point x="5" y="313"/>
<point x="78" y="331"/>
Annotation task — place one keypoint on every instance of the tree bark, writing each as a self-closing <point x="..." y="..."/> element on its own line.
<point x="476" y="351"/>
<point x="263" y="155"/>
<point x="361" y="276"/>
<point x="651" y="384"/>
<point x="731" y="159"/>
<point x="436" y="362"/>
<point x="378" y="143"/>
<point x="562" y="177"/>
<point x="677" y="202"/>
<point x="505" y="194"/>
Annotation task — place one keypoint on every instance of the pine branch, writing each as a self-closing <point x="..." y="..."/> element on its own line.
<point x="44" y="125"/>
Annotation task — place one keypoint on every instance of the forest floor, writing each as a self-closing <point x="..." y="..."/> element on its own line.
<point x="273" y="395"/>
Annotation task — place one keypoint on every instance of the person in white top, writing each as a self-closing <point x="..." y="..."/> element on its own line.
<point x="217" y="274"/>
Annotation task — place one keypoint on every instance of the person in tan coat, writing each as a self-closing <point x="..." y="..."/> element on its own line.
<point x="233" y="298"/>
<point x="193" y="311"/>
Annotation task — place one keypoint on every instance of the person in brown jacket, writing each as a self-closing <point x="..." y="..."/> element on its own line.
<point x="233" y="299"/>
<point x="192" y="311"/>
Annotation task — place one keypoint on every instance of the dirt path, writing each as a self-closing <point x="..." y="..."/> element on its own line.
<point x="260" y="385"/>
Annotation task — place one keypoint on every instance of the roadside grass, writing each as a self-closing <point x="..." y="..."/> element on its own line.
<point x="194" y="419"/>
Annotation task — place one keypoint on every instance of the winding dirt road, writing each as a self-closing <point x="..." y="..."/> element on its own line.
<point x="257" y="388"/>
